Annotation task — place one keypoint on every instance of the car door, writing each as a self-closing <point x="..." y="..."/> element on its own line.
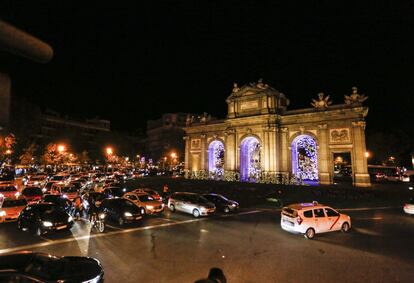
<point x="188" y="204"/>
<point x="321" y="223"/>
<point x="332" y="219"/>
<point x="179" y="202"/>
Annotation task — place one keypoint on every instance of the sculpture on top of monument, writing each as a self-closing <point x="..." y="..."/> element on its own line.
<point x="261" y="85"/>
<point x="322" y="102"/>
<point x="355" y="97"/>
<point x="235" y="88"/>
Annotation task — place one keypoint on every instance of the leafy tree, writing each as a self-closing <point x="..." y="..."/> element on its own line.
<point x="28" y="156"/>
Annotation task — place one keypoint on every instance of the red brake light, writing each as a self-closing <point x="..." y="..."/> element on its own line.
<point x="299" y="220"/>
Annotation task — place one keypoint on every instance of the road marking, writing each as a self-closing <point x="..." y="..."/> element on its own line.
<point x="45" y="239"/>
<point x="113" y="227"/>
<point x="368" y="208"/>
<point x="366" y="231"/>
<point x="121" y="231"/>
<point x="368" y="218"/>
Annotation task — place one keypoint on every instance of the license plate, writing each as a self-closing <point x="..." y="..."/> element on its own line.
<point x="288" y="222"/>
<point x="61" y="227"/>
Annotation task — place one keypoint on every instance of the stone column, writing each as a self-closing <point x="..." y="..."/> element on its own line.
<point x="269" y="135"/>
<point x="359" y="166"/>
<point x="230" y="150"/>
<point x="203" y="153"/>
<point x="284" y="151"/>
<point x="324" y="160"/>
<point x="187" y="153"/>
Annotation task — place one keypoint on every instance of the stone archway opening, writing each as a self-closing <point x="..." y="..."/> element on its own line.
<point x="250" y="159"/>
<point x="305" y="158"/>
<point x="216" y="158"/>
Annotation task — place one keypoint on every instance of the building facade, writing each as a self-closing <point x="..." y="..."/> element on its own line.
<point x="262" y="137"/>
<point x="165" y="135"/>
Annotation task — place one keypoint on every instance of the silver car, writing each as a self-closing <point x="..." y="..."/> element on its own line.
<point x="192" y="203"/>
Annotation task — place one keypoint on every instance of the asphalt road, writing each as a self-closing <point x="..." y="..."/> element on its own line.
<point x="249" y="247"/>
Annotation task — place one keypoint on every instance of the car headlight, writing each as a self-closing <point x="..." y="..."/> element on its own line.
<point x="128" y="214"/>
<point x="36" y="183"/>
<point x="2" y="213"/>
<point x="102" y="215"/>
<point x="233" y="205"/>
<point x="44" y="190"/>
<point x="65" y="196"/>
<point x="17" y="194"/>
<point x="70" y="219"/>
<point x="203" y="208"/>
<point x="150" y="207"/>
<point x="124" y="190"/>
<point x="47" y="224"/>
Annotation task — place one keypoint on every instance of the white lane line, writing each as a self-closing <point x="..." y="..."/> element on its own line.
<point x="368" y="218"/>
<point x="113" y="227"/>
<point x="87" y="237"/>
<point x="368" y="208"/>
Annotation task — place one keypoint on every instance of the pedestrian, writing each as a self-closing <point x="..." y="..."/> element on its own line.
<point x="216" y="275"/>
<point x="165" y="191"/>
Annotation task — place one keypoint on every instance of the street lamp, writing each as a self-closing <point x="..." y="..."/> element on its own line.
<point x="109" y="151"/>
<point x="367" y="155"/>
<point x="61" y="148"/>
<point x="173" y="155"/>
<point x="8" y="151"/>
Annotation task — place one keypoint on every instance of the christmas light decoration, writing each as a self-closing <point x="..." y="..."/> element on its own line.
<point x="250" y="159"/>
<point x="216" y="158"/>
<point x="305" y="158"/>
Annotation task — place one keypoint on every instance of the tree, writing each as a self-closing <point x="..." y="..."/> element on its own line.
<point x="7" y="144"/>
<point x="51" y="155"/>
<point x="28" y="155"/>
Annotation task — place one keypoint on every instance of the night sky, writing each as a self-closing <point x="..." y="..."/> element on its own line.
<point x="129" y="63"/>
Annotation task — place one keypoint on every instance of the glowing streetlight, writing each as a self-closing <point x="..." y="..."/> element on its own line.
<point x="367" y="154"/>
<point x="173" y="155"/>
<point x="109" y="151"/>
<point x="8" y="151"/>
<point x="61" y="148"/>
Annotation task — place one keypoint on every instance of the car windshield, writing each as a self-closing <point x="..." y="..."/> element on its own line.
<point x="14" y="202"/>
<point x="200" y="199"/>
<point x="32" y="191"/>
<point x="45" y="267"/>
<point x="146" y="198"/>
<point x="7" y="189"/>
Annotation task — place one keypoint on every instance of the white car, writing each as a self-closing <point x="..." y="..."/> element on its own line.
<point x="313" y="218"/>
<point x="409" y="207"/>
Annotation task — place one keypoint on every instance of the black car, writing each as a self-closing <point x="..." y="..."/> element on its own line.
<point x="42" y="218"/>
<point x="121" y="210"/>
<point x="60" y="201"/>
<point x="222" y="203"/>
<point x="29" y="266"/>
<point x="114" y="192"/>
<point x="32" y="194"/>
<point x="95" y="197"/>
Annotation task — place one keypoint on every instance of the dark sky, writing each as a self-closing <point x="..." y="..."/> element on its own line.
<point x="130" y="62"/>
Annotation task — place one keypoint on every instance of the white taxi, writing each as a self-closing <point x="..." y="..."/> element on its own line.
<point x="409" y="206"/>
<point x="313" y="218"/>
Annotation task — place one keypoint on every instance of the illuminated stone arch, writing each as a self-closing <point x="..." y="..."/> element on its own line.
<point x="216" y="158"/>
<point x="250" y="158"/>
<point x="305" y="157"/>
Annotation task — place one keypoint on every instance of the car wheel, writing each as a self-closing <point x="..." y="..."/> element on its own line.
<point x="310" y="234"/>
<point x="226" y="209"/>
<point x="196" y="213"/>
<point x="121" y="221"/>
<point x="172" y="207"/>
<point x="345" y="227"/>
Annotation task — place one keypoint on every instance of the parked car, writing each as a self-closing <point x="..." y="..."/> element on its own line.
<point x="10" y="208"/>
<point x="70" y="192"/>
<point x="313" y="218"/>
<point x="42" y="218"/>
<point x="121" y="210"/>
<point x="409" y="206"/>
<point x="36" y="180"/>
<point x="32" y="194"/>
<point x="27" y="266"/>
<point x="113" y="192"/>
<point x="9" y="191"/>
<point x="60" y="201"/>
<point x="146" y="202"/>
<point x="154" y="194"/>
<point x="222" y="203"/>
<point x="192" y="203"/>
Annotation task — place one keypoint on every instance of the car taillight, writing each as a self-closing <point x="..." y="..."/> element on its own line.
<point x="299" y="220"/>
